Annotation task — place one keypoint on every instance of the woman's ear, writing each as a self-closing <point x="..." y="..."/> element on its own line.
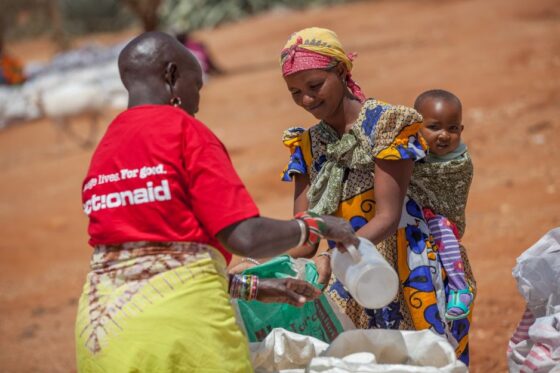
<point x="171" y="74"/>
<point x="341" y="70"/>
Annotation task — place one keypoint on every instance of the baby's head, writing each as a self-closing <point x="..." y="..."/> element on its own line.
<point x="442" y="112"/>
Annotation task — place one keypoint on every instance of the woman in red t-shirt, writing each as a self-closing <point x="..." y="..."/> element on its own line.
<point x="166" y="209"/>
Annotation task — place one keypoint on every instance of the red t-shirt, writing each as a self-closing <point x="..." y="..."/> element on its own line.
<point x="160" y="175"/>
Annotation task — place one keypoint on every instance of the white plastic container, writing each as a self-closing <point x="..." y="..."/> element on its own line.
<point x="366" y="274"/>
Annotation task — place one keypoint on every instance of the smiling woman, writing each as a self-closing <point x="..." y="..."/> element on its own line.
<point x="356" y="163"/>
<point x="316" y="90"/>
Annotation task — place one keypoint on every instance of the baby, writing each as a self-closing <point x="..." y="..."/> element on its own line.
<point x="441" y="185"/>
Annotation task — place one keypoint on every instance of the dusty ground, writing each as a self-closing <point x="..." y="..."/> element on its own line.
<point x="500" y="56"/>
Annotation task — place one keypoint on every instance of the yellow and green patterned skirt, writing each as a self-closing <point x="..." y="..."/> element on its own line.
<point x="158" y="308"/>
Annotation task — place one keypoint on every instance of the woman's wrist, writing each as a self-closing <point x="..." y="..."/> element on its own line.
<point x="243" y="286"/>
<point x="315" y="228"/>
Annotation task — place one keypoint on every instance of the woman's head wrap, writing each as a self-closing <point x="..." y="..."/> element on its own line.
<point x="317" y="48"/>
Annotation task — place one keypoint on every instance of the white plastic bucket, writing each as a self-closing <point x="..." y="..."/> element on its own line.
<point x="366" y="274"/>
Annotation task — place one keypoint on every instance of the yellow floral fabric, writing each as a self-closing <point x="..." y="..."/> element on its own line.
<point x="392" y="134"/>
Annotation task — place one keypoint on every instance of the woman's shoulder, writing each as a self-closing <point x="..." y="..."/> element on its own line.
<point x="297" y="136"/>
<point x="395" y="115"/>
<point x="381" y="118"/>
<point x="292" y="136"/>
<point x="392" y="130"/>
<point x="297" y="140"/>
<point x="377" y="104"/>
<point x="292" y="133"/>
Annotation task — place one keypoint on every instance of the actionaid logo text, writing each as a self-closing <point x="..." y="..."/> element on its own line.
<point x="147" y="194"/>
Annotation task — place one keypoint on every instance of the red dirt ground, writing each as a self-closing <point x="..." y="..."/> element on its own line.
<point x="501" y="57"/>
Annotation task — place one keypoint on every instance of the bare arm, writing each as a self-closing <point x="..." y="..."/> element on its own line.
<point x="301" y="186"/>
<point x="264" y="237"/>
<point x="391" y="184"/>
<point x="260" y="237"/>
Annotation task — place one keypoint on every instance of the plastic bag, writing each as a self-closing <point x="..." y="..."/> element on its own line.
<point x="392" y="350"/>
<point x="317" y="319"/>
<point x="282" y="349"/>
<point x="538" y="274"/>
<point x="357" y="351"/>
<point x="535" y="344"/>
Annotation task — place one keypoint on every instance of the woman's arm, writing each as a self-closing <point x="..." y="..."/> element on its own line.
<point x="262" y="237"/>
<point x="301" y="186"/>
<point x="391" y="184"/>
<point x="272" y="290"/>
<point x="301" y="183"/>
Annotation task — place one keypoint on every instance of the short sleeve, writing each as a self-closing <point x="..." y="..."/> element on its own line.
<point x="397" y="136"/>
<point x="292" y="139"/>
<point x="218" y="196"/>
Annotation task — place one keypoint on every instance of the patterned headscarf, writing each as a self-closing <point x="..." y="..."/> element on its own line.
<point x="317" y="48"/>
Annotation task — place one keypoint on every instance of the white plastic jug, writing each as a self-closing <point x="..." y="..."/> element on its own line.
<point x="366" y="274"/>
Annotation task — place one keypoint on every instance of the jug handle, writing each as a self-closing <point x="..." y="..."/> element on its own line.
<point x="354" y="253"/>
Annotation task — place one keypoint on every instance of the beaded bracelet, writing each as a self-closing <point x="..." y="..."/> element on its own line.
<point x="316" y="227"/>
<point x="250" y="260"/>
<point x="244" y="287"/>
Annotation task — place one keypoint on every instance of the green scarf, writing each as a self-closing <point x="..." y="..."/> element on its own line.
<point x="352" y="151"/>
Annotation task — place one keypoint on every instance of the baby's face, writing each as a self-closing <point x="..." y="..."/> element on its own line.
<point x="442" y="125"/>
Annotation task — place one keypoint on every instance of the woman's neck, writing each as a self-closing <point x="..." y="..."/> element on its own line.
<point x="344" y="117"/>
<point x="143" y="94"/>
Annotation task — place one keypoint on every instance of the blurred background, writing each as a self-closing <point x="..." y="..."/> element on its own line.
<point x="59" y="89"/>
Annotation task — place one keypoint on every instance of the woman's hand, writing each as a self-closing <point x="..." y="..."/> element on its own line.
<point x="341" y="231"/>
<point x="323" y="263"/>
<point x="286" y="290"/>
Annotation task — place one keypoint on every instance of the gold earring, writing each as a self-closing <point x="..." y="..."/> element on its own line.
<point x="175" y="101"/>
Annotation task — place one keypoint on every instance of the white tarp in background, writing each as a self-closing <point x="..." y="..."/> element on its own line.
<point x="87" y="75"/>
<point x="60" y="87"/>
<point x="356" y="351"/>
<point x="535" y="345"/>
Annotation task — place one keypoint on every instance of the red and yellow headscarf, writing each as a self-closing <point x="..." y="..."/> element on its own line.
<point x="317" y="48"/>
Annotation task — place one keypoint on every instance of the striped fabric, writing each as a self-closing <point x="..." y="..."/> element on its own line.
<point x="530" y="351"/>
<point x="522" y="331"/>
<point x="449" y="251"/>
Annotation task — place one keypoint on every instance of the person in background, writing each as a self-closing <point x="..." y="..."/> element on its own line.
<point x="201" y="52"/>
<point x="11" y="69"/>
